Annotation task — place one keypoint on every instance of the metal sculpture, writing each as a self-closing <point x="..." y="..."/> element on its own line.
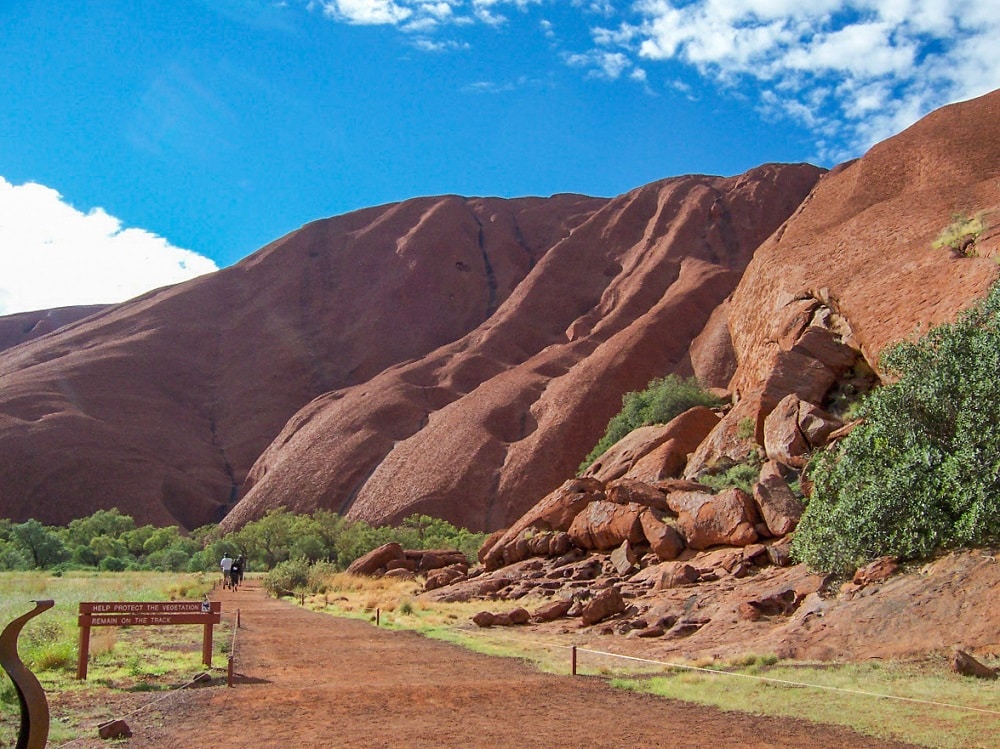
<point x="34" y="706"/>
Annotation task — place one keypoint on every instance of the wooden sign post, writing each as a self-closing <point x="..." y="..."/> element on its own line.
<point x="145" y="613"/>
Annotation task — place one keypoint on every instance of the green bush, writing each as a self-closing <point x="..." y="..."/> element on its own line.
<point x="922" y="471"/>
<point x="287" y="577"/>
<point x="742" y="475"/>
<point x="661" y="401"/>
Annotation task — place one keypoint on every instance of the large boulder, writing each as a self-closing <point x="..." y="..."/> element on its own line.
<point x="607" y="602"/>
<point x="795" y="428"/>
<point x="377" y="560"/>
<point x="653" y="453"/>
<point x="728" y="518"/>
<point x="605" y="525"/>
<point x="554" y="512"/>
<point x="626" y="491"/>
<point x="778" y="506"/>
<point x="664" y="539"/>
<point x="618" y="458"/>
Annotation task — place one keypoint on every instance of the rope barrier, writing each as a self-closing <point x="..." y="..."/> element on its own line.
<point x="166" y="695"/>
<point x="768" y="679"/>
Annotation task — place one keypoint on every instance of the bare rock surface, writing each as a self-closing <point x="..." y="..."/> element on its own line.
<point x="656" y="452"/>
<point x="947" y="603"/>
<point x="858" y="270"/>
<point x="458" y="357"/>
<point x="476" y="431"/>
<point x="26" y="326"/>
<point x="161" y="405"/>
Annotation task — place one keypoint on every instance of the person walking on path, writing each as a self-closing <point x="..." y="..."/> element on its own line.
<point x="227" y="565"/>
<point x="236" y="571"/>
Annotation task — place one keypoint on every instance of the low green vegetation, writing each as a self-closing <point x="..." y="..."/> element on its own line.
<point x="110" y="541"/>
<point x="922" y="471"/>
<point x="661" y="401"/>
<point x="742" y="475"/>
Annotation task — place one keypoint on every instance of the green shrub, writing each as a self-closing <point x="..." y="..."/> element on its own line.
<point x="922" y="471"/>
<point x="287" y="577"/>
<point x="319" y="577"/>
<point x="112" y="564"/>
<point x="661" y="401"/>
<point x="746" y="429"/>
<point x="742" y="475"/>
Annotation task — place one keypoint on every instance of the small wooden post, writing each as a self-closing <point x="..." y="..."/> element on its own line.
<point x="378" y="616"/>
<point x="229" y="672"/>
<point x="574" y="660"/>
<point x="206" y="646"/>
<point x="84" y="655"/>
<point x="238" y="625"/>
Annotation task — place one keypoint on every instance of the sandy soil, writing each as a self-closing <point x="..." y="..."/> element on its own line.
<point x="306" y="679"/>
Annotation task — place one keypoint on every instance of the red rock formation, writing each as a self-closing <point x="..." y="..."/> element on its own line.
<point x="481" y="428"/>
<point x="459" y="357"/>
<point x="27" y="326"/>
<point x="159" y="406"/>
<point x="656" y="452"/>
<point x="707" y="520"/>
<point x="858" y="259"/>
<point x="604" y="525"/>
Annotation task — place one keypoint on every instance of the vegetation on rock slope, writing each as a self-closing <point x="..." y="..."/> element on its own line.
<point x="922" y="471"/>
<point x="661" y="401"/>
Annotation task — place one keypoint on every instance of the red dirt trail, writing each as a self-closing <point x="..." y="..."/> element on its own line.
<point x="307" y="679"/>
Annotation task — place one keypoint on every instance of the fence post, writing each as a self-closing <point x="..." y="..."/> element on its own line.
<point x="574" y="660"/>
<point x="84" y="652"/>
<point x="206" y="645"/>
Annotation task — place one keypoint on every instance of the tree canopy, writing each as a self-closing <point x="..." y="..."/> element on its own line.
<point x="922" y="470"/>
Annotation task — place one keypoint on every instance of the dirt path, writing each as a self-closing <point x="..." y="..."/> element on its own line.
<point x="311" y="680"/>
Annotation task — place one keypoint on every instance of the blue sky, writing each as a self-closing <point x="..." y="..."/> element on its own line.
<point x="143" y="143"/>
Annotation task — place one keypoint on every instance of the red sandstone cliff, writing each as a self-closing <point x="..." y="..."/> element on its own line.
<point x="458" y="357"/>
<point x="476" y="431"/>
<point x="27" y="326"/>
<point x="159" y="406"/>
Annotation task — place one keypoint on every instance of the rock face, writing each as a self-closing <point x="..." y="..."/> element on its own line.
<point x="26" y="326"/>
<point x="459" y="357"/>
<point x="657" y="452"/>
<point x="161" y="405"/>
<point x="858" y="270"/>
<point x="478" y="430"/>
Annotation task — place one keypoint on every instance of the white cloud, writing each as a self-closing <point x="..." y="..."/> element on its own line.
<point x="603" y="64"/>
<point x="366" y="12"/>
<point x="52" y="255"/>
<point x="881" y="64"/>
<point x="420" y="15"/>
<point x="853" y="71"/>
<point x="430" y="45"/>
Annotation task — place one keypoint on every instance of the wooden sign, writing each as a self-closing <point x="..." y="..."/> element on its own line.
<point x="145" y="613"/>
<point x="150" y="607"/>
